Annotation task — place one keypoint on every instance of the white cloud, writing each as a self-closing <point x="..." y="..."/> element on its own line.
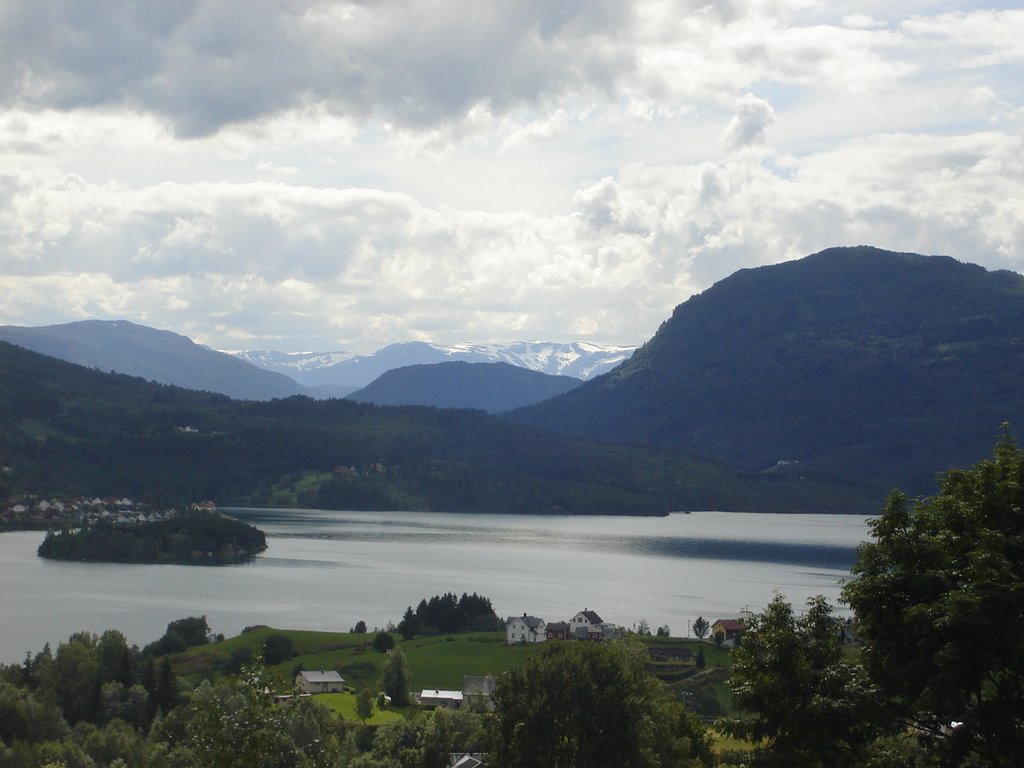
<point x="327" y="174"/>
<point x="747" y="127"/>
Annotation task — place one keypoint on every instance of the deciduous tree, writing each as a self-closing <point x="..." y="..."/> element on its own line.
<point x="594" y="705"/>
<point x="939" y="599"/>
<point x="804" y="703"/>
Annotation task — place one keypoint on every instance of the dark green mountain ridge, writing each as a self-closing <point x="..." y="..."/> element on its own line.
<point x="863" y="365"/>
<point x="68" y="430"/>
<point x="490" y="387"/>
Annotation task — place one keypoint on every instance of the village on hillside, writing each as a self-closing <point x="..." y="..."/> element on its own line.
<point x="588" y="625"/>
<point x="55" y="513"/>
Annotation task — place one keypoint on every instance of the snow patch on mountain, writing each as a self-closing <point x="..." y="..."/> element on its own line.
<point x="582" y="360"/>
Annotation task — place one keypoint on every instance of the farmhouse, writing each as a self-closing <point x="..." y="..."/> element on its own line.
<point x="726" y="630"/>
<point x="557" y="630"/>
<point x="525" y="629"/>
<point x="432" y="697"/>
<point x="586" y="625"/>
<point x="320" y="681"/>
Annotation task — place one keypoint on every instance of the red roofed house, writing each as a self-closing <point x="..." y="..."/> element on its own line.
<point x="724" y="630"/>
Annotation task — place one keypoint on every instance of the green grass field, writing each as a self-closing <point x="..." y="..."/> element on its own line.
<point x="434" y="662"/>
<point x="345" y="705"/>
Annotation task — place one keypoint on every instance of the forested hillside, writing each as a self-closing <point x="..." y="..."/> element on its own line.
<point x="853" y="364"/>
<point x="490" y="387"/>
<point x="68" y="430"/>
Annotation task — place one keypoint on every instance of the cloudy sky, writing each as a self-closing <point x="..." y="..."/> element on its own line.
<point x="302" y="175"/>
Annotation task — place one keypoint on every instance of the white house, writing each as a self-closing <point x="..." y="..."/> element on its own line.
<point x="525" y="629"/>
<point x="320" y="681"/>
<point x="432" y="697"/>
<point x="585" y="624"/>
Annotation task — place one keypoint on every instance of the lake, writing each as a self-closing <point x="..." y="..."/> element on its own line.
<point x="328" y="570"/>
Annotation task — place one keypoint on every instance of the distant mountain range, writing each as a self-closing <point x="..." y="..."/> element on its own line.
<point x="161" y="356"/>
<point x="169" y="358"/>
<point x="853" y="364"/>
<point x="852" y="367"/>
<point x="332" y="372"/>
<point x="490" y="387"/>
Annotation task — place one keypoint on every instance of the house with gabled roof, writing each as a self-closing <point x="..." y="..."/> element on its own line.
<point x="320" y="681"/>
<point x="525" y="629"/>
<point x="466" y="759"/>
<point x="433" y="697"/>
<point x="586" y="625"/>
<point x="557" y="630"/>
<point x="726" y="630"/>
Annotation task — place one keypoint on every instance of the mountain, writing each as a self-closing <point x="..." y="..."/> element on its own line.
<point x="853" y="364"/>
<point x="331" y="372"/>
<point x="490" y="387"/>
<point x="74" y="431"/>
<point x="160" y="356"/>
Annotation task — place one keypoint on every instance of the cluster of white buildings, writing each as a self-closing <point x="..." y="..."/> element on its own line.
<point x="585" y="625"/>
<point x="79" y="509"/>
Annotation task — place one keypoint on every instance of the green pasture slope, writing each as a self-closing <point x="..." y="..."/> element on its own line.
<point x="435" y="662"/>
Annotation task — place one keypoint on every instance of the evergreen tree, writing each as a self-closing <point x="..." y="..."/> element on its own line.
<point x="409" y="624"/>
<point x="364" y="704"/>
<point x="395" y="677"/>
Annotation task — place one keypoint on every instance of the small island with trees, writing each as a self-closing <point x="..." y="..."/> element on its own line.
<point x="184" y="538"/>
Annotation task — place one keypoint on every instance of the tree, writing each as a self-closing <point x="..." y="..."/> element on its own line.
<point x="409" y="624"/>
<point x="395" y="678"/>
<point x="360" y="627"/>
<point x="383" y="642"/>
<point x="629" y="718"/>
<point x="806" y="705"/>
<point x="700" y="661"/>
<point x="364" y="704"/>
<point x="643" y="628"/>
<point x="115" y="658"/>
<point x="166" y="694"/>
<point x="277" y="648"/>
<point x="237" y="724"/>
<point x="180" y="634"/>
<point x="939" y="599"/>
<point x="76" y="678"/>
<point x="700" y="628"/>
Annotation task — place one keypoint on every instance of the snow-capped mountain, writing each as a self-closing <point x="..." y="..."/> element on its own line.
<point x="332" y="370"/>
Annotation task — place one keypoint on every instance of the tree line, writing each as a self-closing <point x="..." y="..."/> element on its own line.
<point x="442" y="614"/>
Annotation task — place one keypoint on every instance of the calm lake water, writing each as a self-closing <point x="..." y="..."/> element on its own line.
<point x="328" y="570"/>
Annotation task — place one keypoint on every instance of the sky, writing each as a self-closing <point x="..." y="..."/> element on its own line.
<point x="312" y="176"/>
